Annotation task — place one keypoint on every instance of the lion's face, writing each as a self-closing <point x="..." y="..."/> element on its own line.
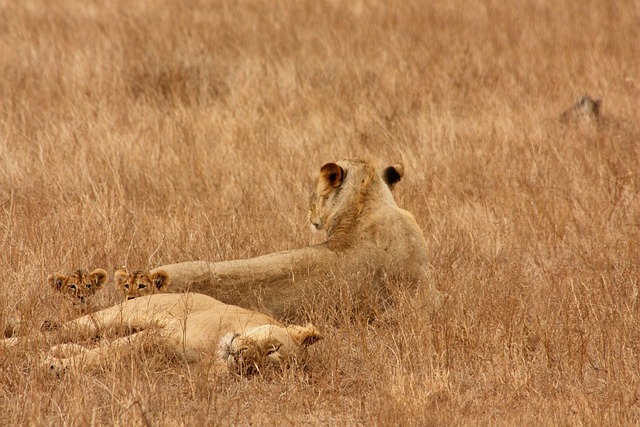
<point x="79" y="286"/>
<point x="266" y="347"/>
<point x="323" y="200"/>
<point x="140" y="283"/>
<point x="340" y="183"/>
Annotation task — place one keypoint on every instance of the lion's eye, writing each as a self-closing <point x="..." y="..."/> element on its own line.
<point x="126" y="286"/>
<point x="72" y="287"/>
<point x="141" y="286"/>
<point x="88" y="285"/>
<point x="274" y="349"/>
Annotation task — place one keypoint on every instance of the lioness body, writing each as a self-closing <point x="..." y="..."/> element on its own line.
<point x="368" y="236"/>
<point x="190" y="326"/>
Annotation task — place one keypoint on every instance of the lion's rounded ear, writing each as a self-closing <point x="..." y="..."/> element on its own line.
<point x="55" y="281"/>
<point x="160" y="279"/>
<point x="331" y="176"/>
<point x="120" y="277"/>
<point x="597" y="103"/>
<point x="304" y="336"/>
<point x="393" y="174"/>
<point x="98" y="277"/>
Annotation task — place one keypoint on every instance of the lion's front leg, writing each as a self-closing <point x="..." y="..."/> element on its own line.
<point x="73" y="357"/>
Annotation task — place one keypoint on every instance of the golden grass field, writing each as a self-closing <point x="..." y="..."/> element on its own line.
<point x="137" y="134"/>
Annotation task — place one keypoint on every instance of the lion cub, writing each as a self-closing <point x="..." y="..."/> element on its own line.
<point x="78" y="287"/>
<point x="586" y="109"/>
<point x="141" y="283"/>
<point x="72" y="294"/>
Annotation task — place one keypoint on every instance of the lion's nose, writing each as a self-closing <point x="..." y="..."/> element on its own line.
<point x="129" y="298"/>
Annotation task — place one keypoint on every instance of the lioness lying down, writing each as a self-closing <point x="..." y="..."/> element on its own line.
<point x="369" y="239"/>
<point x="189" y="326"/>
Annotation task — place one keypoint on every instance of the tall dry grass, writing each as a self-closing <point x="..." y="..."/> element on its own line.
<point x="135" y="134"/>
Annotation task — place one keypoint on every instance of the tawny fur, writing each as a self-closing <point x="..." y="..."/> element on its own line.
<point x="71" y="296"/>
<point x="189" y="326"/>
<point x="586" y="109"/>
<point x="140" y="283"/>
<point x="368" y="236"/>
<point x="78" y="287"/>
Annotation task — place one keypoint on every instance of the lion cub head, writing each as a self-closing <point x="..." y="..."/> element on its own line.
<point x="140" y="283"/>
<point x="267" y="346"/>
<point x="343" y="188"/>
<point x="79" y="286"/>
<point x="586" y="109"/>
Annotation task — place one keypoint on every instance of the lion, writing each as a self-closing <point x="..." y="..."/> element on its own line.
<point x="140" y="283"/>
<point x="369" y="239"/>
<point x="72" y="297"/>
<point x="585" y="110"/>
<point x="188" y="326"/>
<point x="78" y="287"/>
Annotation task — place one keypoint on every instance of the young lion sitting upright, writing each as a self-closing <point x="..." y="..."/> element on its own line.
<point x="370" y="240"/>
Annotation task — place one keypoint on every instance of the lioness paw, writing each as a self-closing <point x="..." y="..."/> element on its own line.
<point x="56" y="367"/>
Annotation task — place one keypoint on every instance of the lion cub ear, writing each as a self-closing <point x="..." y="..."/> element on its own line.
<point x="391" y="175"/>
<point x="331" y="176"/>
<point x="120" y="277"/>
<point x="98" y="277"/>
<point x="304" y="336"/>
<point x="596" y="106"/>
<point x="56" y="281"/>
<point x="160" y="279"/>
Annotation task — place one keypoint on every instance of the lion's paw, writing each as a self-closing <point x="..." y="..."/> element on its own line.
<point x="56" y="366"/>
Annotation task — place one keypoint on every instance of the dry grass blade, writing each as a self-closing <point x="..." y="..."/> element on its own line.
<point x="136" y="134"/>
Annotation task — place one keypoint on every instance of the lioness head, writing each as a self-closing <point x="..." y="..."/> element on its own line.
<point x="341" y="188"/>
<point x="140" y="283"/>
<point x="78" y="286"/>
<point x="266" y="347"/>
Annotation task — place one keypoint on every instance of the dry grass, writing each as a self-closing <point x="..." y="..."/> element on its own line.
<point x="143" y="133"/>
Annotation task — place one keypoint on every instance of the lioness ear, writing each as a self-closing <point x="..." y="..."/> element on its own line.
<point x="392" y="174"/>
<point x="331" y="175"/>
<point x="120" y="277"/>
<point x="160" y="279"/>
<point x="55" y="281"/>
<point x="304" y="336"/>
<point x="98" y="277"/>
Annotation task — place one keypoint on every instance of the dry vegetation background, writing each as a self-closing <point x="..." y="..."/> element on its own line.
<point x="135" y="134"/>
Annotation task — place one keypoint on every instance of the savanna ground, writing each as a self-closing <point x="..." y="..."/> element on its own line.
<point x="136" y="134"/>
